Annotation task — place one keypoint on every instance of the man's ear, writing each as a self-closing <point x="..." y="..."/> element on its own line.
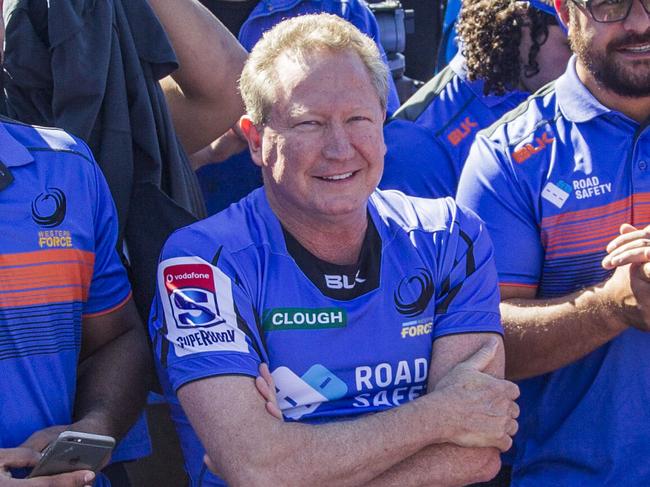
<point x="253" y="137"/>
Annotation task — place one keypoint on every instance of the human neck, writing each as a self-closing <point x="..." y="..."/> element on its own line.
<point x="337" y="241"/>
<point x="638" y="109"/>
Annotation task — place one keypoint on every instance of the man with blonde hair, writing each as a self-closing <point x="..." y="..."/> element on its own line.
<point x="359" y="301"/>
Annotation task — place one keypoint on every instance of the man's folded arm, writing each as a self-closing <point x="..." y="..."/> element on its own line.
<point x="448" y="464"/>
<point x="250" y="447"/>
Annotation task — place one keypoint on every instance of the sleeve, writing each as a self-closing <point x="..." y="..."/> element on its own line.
<point x="467" y="292"/>
<point x="415" y="162"/>
<point x="490" y="187"/>
<point x="109" y="288"/>
<point x="201" y="316"/>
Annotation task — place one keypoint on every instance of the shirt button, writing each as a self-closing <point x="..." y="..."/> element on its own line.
<point x="643" y="165"/>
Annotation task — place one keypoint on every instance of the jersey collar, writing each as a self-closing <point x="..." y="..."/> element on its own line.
<point x="576" y="102"/>
<point x="12" y="152"/>
<point x="459" y="67"/>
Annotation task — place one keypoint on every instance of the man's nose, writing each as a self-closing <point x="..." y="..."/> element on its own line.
<point x="638" y="20"/>
<point x="338" y="145"/>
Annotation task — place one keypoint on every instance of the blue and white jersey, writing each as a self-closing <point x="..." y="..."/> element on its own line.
<point x="553" y="181"/>
<point x="429" y="137"/>
<point x="235" y="290"/>
<point x="58" y="264"/>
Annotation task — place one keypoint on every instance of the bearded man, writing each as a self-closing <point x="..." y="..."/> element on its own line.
<point x="562" y="183"/>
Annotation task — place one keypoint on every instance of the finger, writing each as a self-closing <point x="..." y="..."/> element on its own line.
<point x="628" y="233"/>
<point x="514" y="410"/>
<point x="483" y="356"/>
<point x="512" y="391"/>
<point x="263" y="388"/>
<point x="639" y="255"/>
<point x="18" y="457"/>
<point x="512" y="427"/>
<point x="639" y="243"/>
<point x="504" y="443"/>
<point x="210" y="464"/>
<point x="266" y="374"/>
<point x="645" y="271"/>
<point x="273" y="409"/>
<point x="80" y="478"/>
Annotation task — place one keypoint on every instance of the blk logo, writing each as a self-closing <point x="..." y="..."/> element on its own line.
<point x="342" y="282"/>
<point x="414" y="293"/>
<point x="528" y="150"/>
<point x="457" y="135"/>
<point x="48" y="209"/>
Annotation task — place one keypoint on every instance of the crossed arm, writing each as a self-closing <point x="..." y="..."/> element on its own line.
<point x="250" y="447"/>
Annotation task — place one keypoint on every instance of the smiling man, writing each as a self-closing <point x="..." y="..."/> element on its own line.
<point x="360" y="301"/>
<point x="555" y="181"/>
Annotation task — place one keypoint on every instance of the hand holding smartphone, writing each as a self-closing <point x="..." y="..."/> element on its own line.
<point x="72" y="451"/>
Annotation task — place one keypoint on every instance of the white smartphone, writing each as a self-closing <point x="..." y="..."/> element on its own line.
<point x="74" y="451"/>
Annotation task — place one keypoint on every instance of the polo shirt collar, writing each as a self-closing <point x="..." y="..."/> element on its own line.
<point x="576" y="102"/>
<point x="459" y="67"/>
<point x="12" y="152"/>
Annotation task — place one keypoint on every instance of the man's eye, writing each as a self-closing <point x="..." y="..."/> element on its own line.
<point x="359" y="118"/>
<point x="308" y="123"/>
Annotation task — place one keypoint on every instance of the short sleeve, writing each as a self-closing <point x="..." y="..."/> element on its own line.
<point x="489" y="186"/>
<point x="202" y="321"/>
<point x="110" y="287"/>
<point x="467" y="294"/>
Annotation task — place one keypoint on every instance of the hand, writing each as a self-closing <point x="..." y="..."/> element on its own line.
<point x="266" y="387"/>
<point x="26" y="457"/>
<point x="479" y="409"/>
<point x="230" y="143"/>
<point x="627" y="291"/>
<point x="40" y="439"/>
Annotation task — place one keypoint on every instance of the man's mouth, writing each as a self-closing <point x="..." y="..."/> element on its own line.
<point x="338" y="177"/>
<point x="637" y="48"/>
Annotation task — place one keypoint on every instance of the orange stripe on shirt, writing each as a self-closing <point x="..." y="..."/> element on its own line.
<point x="45" y="276"/>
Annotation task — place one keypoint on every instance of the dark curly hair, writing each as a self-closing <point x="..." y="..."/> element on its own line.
<point x="490" y="32"/>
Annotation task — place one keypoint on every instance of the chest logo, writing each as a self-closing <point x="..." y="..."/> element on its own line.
<point x="589" y="187"/>
<point x="48" y="208"/>
<point x="557" y="193"/>
<point x="457" y="135"/>
<point x="528" y="150"/>
<point x="304" y="318"/>
<point x="334" y="281"/>
<point x="414" y="293"/>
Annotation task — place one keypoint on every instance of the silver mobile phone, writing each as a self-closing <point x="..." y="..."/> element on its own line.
<point x="74" y="451"/>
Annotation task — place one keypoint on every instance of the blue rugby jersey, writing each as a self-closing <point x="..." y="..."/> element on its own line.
<point x="553" y="181"/>
<point x="57" y="264"/>
<point x="429" y="137"/>
<point x="234" y="291"/>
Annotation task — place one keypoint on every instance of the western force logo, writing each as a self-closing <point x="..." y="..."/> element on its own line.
<point x="48" y="208"/>
<point x="414" y="293"/>
<point x="191" y="293"/>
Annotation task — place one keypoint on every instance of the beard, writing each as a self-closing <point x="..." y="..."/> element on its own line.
<point x="629" y="79"/>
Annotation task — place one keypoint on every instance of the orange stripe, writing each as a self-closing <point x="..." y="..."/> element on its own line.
<point x="109" y="310"/>
<point x="46" y="276"/>
<point x="46" y="256"/>
<point x="579" y="215"/>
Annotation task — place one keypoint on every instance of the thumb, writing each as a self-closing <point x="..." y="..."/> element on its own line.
<point x="483" y="356"/>
<point x="626" y="228"/>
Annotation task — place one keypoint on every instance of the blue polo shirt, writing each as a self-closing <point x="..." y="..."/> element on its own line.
<point x="429" y="137"/>
<point x="553" y="181"/>
<point x="58" y="264"/>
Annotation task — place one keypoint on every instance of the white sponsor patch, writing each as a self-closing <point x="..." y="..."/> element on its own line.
<point x="557" y="194"/>
<point x="198" y="305"/>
